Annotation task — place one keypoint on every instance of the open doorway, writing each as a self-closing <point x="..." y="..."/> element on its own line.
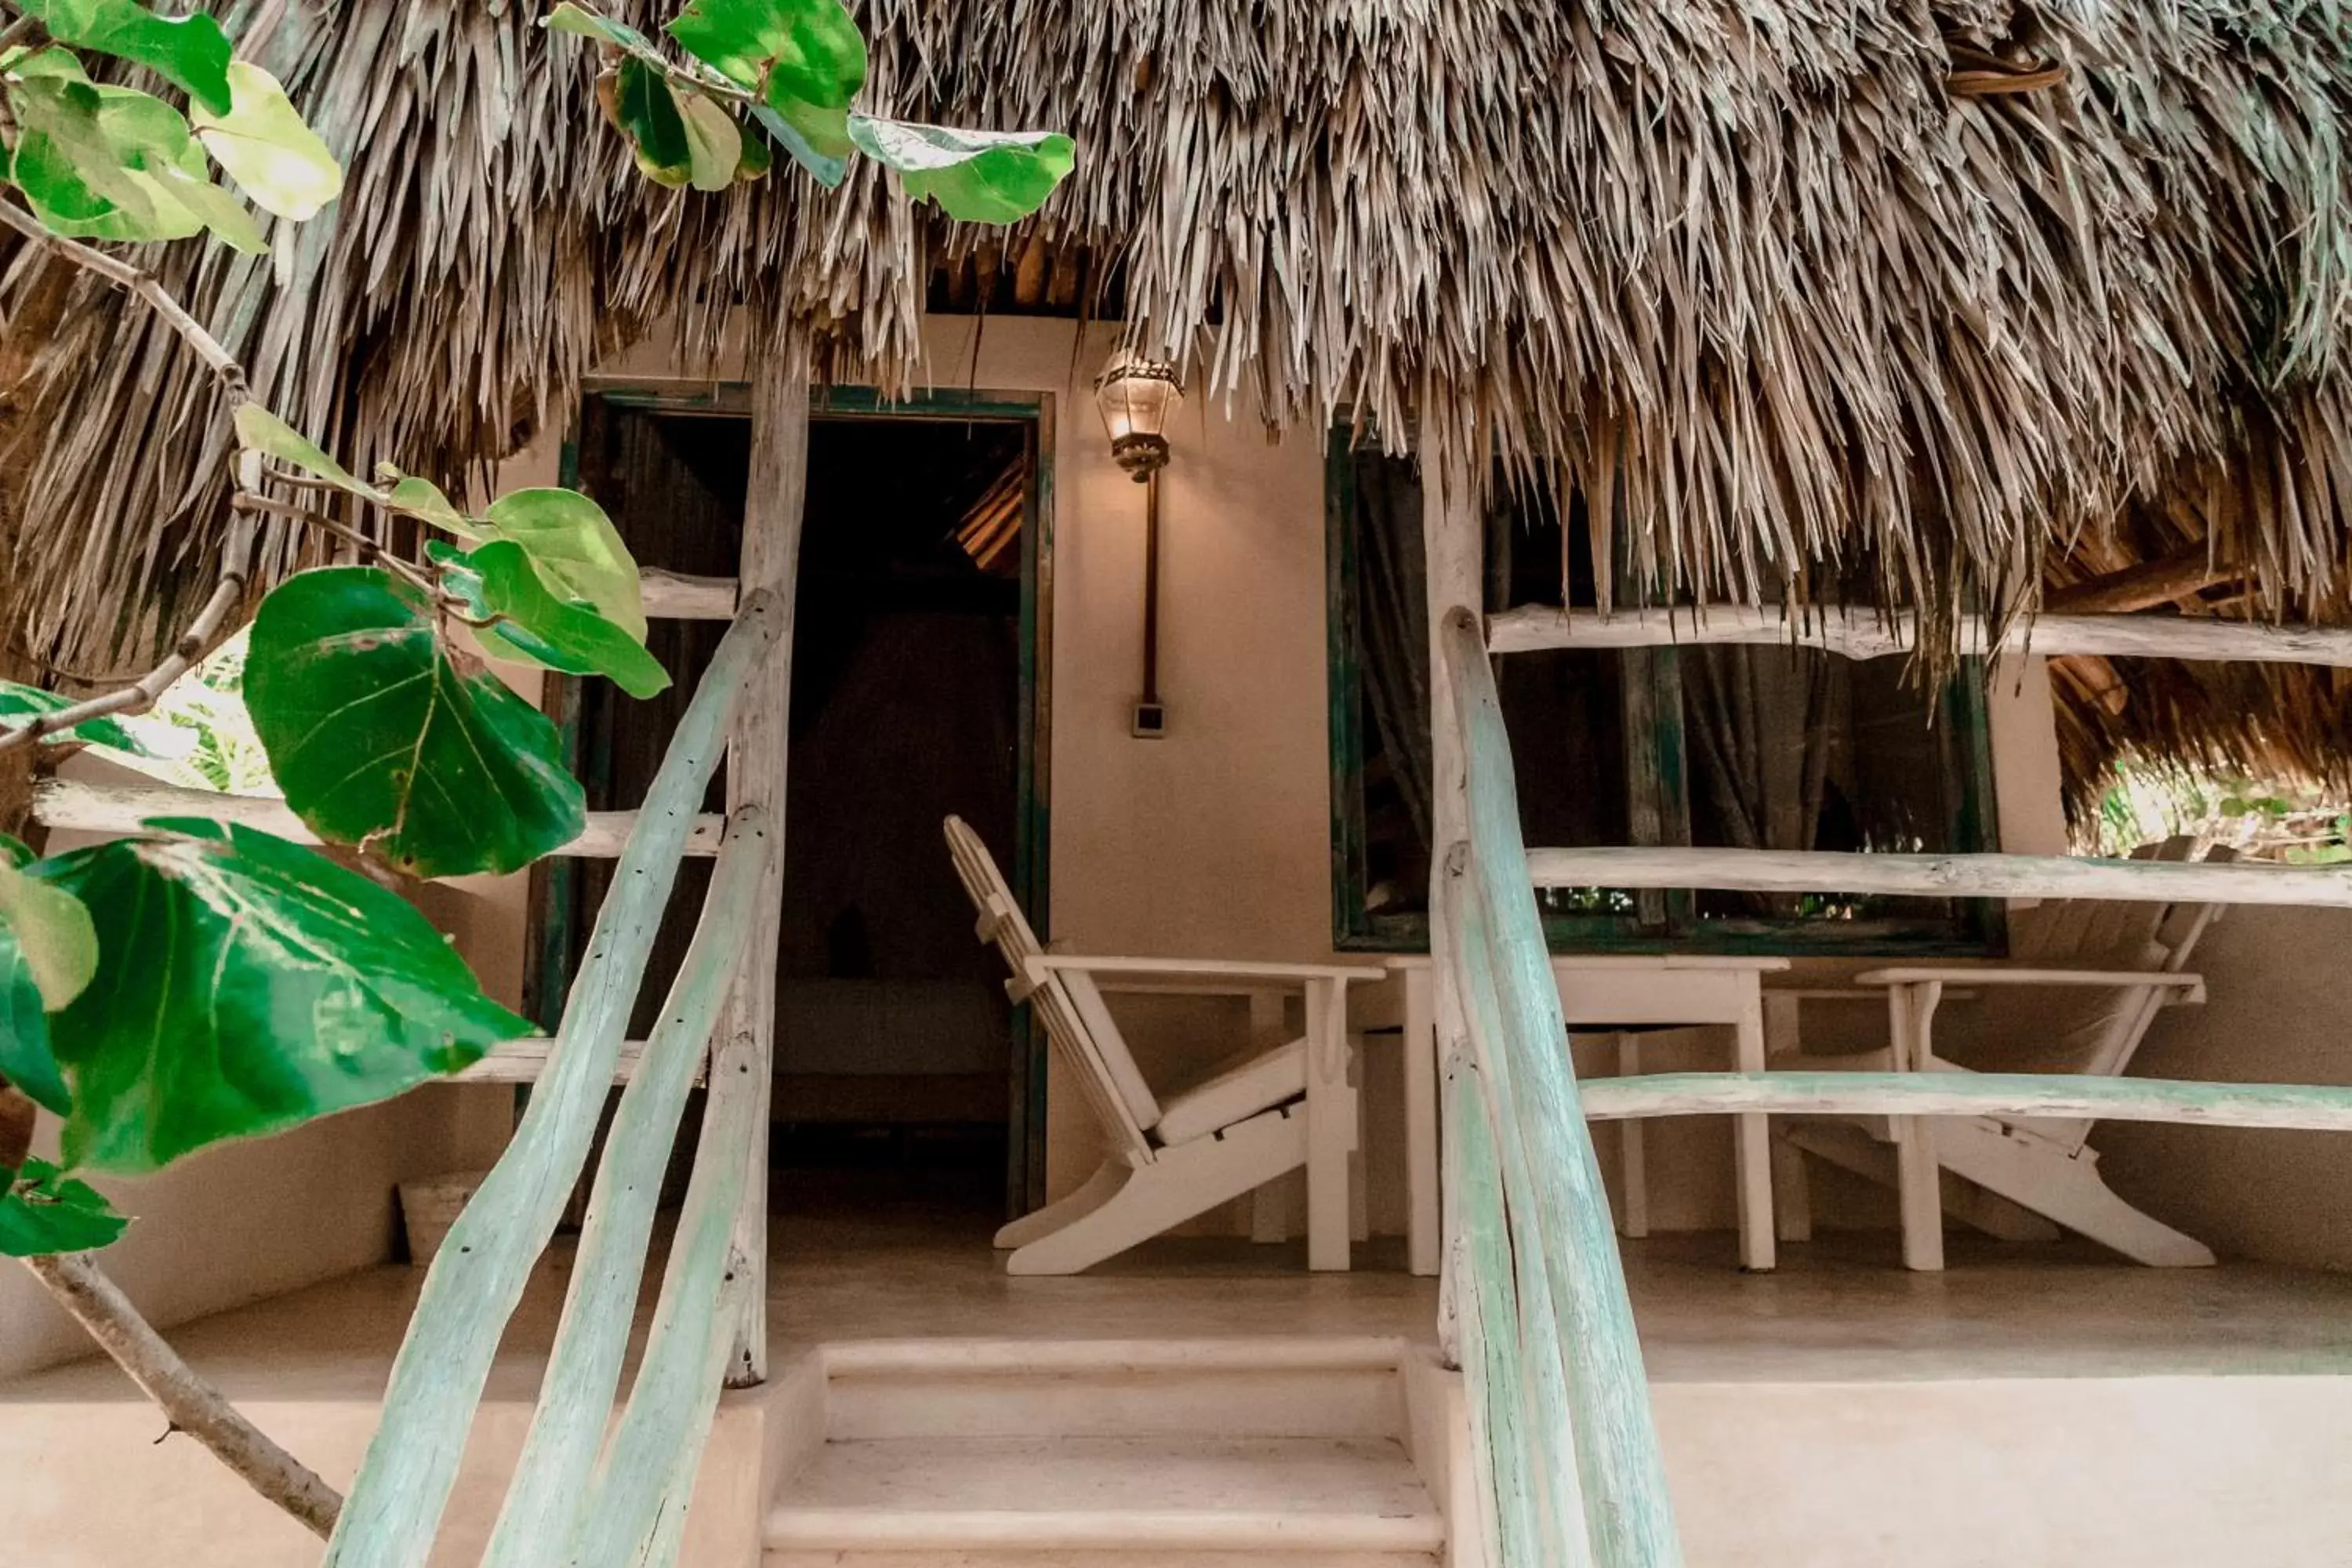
<point x="901" y="1071"/>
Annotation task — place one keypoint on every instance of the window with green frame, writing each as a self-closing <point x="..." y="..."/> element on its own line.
<point x="1764" y="747"/>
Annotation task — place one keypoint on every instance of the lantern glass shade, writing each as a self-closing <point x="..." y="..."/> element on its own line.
<point x="1137" y="397"/>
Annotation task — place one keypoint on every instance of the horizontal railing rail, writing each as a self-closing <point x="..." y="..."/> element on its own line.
<point x="1945" y="876"/>
<point x="2319" y="1107"/>
<point x="1866" y="633"/>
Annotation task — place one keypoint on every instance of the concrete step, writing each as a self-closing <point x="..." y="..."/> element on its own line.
<point x="1195" y="1499"/>
<point x="1337" y="1387"/>
<point x="1024" y="1558"/>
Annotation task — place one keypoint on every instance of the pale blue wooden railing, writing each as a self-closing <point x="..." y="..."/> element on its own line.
<point x="1548" y="1352"/>
<point x="1568" y="1459"/>
<point x="578" y="1497"/>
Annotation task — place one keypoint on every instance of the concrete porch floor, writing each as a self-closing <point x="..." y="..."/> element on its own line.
<point x="2007" y="1395"/>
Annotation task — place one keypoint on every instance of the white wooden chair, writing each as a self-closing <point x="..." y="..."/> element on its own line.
<point x="1253" y="1117"/>
<point x="2085" y="980"/>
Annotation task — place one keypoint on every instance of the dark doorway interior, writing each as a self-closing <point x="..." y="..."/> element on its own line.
<point x="894" y="1060"/>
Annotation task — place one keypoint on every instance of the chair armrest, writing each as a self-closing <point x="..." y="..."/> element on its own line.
<point x="1875" y="995"/>
<point x="1203" y="974"/>
<point x="2192" y="986"/>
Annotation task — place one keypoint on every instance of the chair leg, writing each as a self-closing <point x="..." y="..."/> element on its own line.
<point x="1918" y="1189"/>
<point x="1330" y="1127"/>
<point x="1751" y="1137"/>
<point x="1180" y="1182"/>
<point x="1792" y="1193"/>
<point x="1098" y="1190"/>
<point x="1632" y="1151"/>
<point x="2067" y="1188"/>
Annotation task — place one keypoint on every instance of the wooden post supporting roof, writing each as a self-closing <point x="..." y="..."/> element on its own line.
<point x="1453" y="551"/>
<point x="755" y="776"/>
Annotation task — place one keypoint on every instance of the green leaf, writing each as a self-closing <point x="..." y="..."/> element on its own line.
<point x="259" y="430"/>
<point x="19" y="702"/>
<point x="978" y="176"/>
<point x="793" y="53"/>
<point x="72" y="174"/>
<point x="756" y="159"/>
<point x="829" y="171"/>
<point x="574" y="19"/>
<point x="189" y="51"/>
<point x="262" y="142"/>
<point x="497" y="580"/>
<point x="577" y="549"/>
<point x="149" y="145"/>
<point x="383" y="735"/>
<point x="249" y="985"/>
<point x="423" y="499"/>
<point x="53" y="932"/>
<point x="45" y="1211"/>
<point x="714" y="141"/>
<point x="26" y="1057"/>
<point x="649" y="113"/>
<point x="14" y="851"/>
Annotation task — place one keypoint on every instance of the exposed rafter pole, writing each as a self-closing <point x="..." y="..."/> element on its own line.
<point x="1863" y="633"/>
<point x="2142" y="585"/>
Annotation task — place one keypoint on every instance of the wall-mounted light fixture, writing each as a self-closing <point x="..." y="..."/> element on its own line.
<point x="1137" y="397"/>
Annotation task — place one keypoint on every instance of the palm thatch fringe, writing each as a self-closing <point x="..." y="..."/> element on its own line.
<point x="1939" y="287"/>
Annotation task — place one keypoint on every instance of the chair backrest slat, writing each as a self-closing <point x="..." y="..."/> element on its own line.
<point x="1083" y="1047"/>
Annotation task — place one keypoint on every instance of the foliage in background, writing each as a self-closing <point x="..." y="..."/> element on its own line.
<point x="2286" y="820"/>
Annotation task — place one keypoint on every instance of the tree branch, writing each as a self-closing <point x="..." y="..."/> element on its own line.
<point x="193" y="1405"/>
<point x="235" y="555"/>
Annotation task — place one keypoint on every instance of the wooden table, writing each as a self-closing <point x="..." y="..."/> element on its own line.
<point x="1606" y="995"/>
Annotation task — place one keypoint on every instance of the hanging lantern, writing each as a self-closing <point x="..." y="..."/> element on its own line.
<point x="1137" y="397"/>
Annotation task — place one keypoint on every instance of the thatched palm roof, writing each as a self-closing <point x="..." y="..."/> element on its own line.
<point x="1944" y="287"/>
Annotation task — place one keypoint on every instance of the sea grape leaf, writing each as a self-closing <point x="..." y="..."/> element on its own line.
<point x="189" y="51"/>
<point x="19" y="702"/>
<point x="259" y="138"/>
<point x="26" y="1057"/>
<point x="53" y="932"/>
<point x="714" y="141"/>
<point x="795" y="53"/>
<point x="247" y="985"/>
<point x="44" y="1211"/>
<point x="384" y="735"/>
<point x="828" y="170"/>
<point x="496" y="581"/>
<point x="70" y="174"/>
<point x="582" y="22"/>
<point x="259" y="430"/>
<point x="976" y="176"/>
<point x="649" y="113"/>
<point x="755" y="159"/>
<point x="146" y="173"/>
<point x="577" y="549"/>
<point x="425" y="500"/>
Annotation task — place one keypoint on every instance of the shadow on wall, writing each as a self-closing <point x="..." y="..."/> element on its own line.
<point x="2278" y="1012"/>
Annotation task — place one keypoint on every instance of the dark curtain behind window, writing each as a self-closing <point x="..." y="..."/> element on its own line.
<point x="1392" y="580"/>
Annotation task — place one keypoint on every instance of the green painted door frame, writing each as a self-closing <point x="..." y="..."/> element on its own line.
<point x="557" y="921"/>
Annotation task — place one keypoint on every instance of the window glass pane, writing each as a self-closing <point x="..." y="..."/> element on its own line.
<point x="1792" y="748"/>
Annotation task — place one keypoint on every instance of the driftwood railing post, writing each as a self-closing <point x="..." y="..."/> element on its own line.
<point x="394" y="1509"/>
<point x="1552" y="1180"/>
<point x="1452" y="549"/>
<point x="755" y="777"/>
